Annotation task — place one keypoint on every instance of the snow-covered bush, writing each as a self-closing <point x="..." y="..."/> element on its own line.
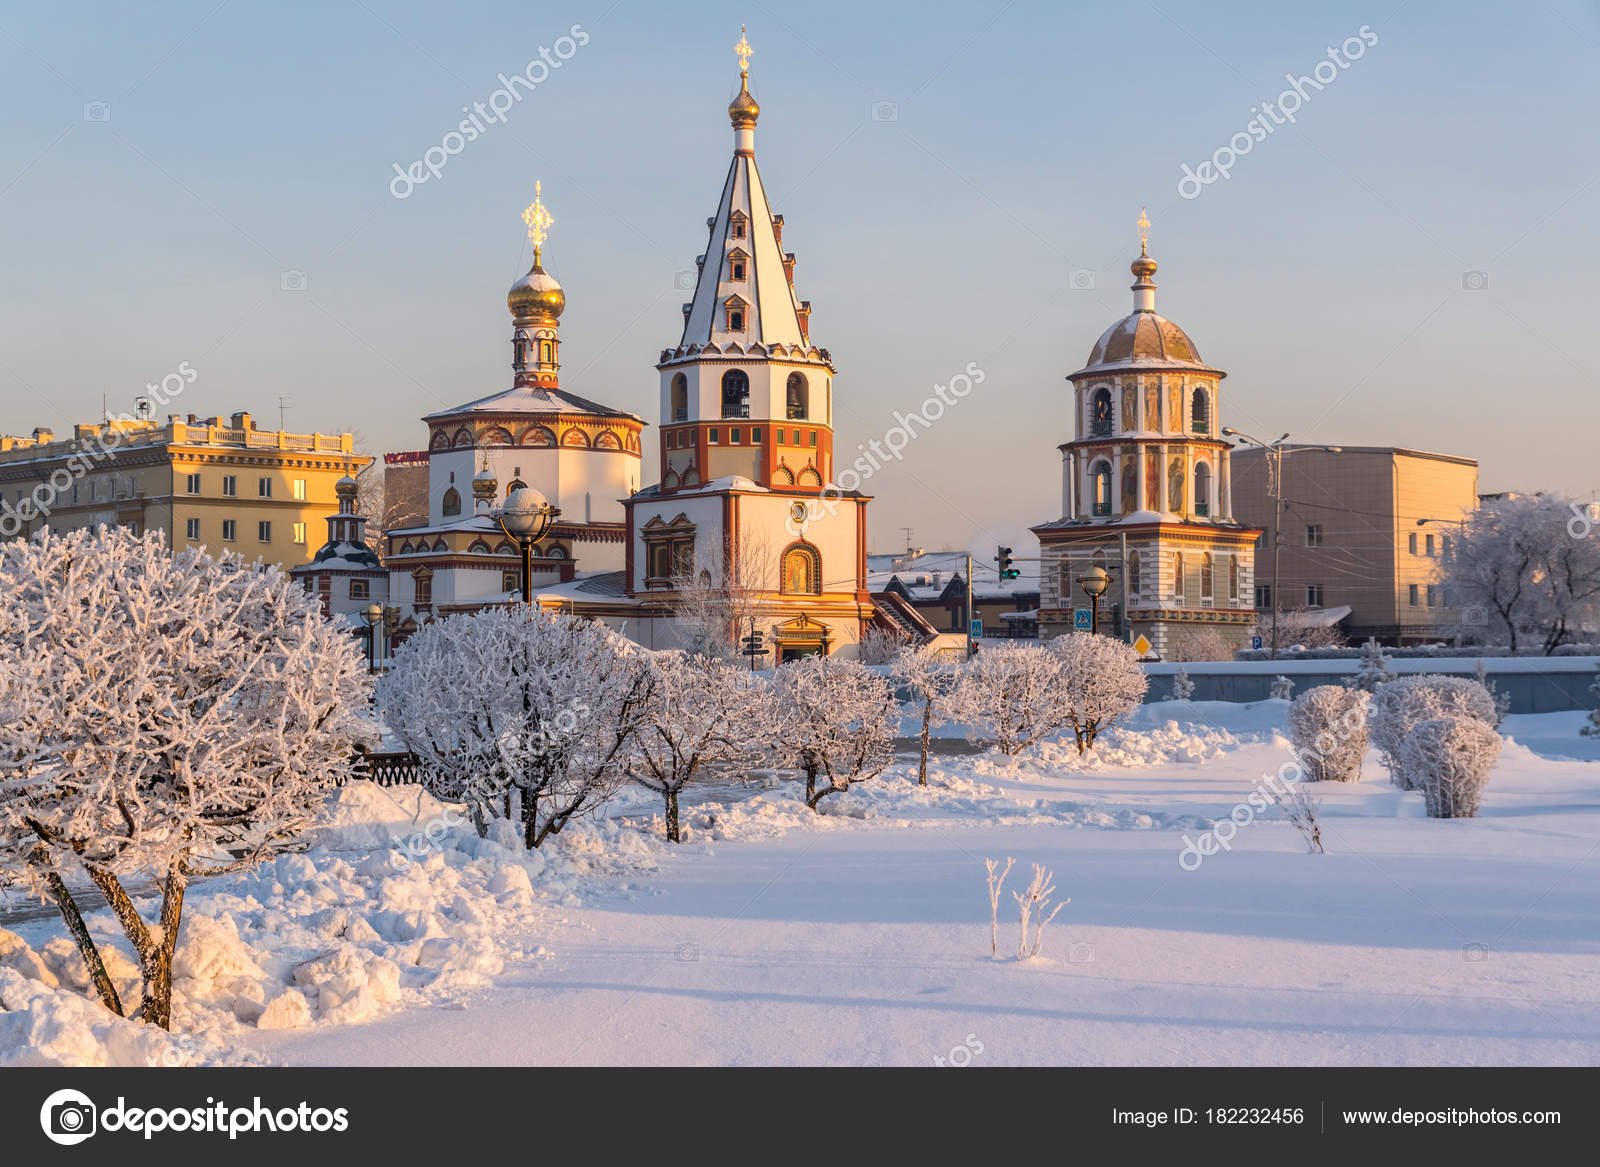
<point x="1502" y="699"/>
<point x="1301" y="809"/>
<point x="1102" y="681"/>
<point x="1328" y="724"/>
<point x="1449" y="758"/>
<point x="1012" y="694"/>
<point x="1182" y="686"/>
<point x="1374" y="669"/>
<point x="161" y="713"/>
<point x="836" y="720"/>
<point x="1282" y="688"/>
<point x="703" y="717"/>
<point x="1033" y="906"/>
<point x="930" y="680"/>
<point x="1401" y="705"/>
<point x="1592" y="729"/>
<point x="521" y="714"/>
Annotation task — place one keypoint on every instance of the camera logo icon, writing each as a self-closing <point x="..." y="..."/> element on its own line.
<point x="885" y="111"/>
<point x="1475" y="616"/>
<point x="97" y="111"/>
<point x="684" y="280"/>
<point x="1080" y="279"/>
<point x="1475" y="953"/>
<point x="68" y="1117"/>
<point x="1474" y="281"/>
<point x="687" y="953"/>
<point x="292" y="281"/>
<point x="1081" y="953"/>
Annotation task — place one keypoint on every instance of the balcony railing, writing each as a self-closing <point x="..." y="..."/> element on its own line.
<point x="681" y="413"/>
<point x="1202" y="508"/>
<point x="796" y="412"/>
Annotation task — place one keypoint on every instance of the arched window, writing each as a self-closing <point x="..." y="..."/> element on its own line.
<point x="1202" y="489"/>
<point x="1101" y="475"/>
<point x="1200" y="412"/>
<point x="452" y="503"/>
<point x="515" y="484"/>
<point x="735" y="394"/>
<point x="1133" y="575"/>
<point x="798" y="397"/>
<point x="1206" y="578"/>
<point x="1100" y="413"/>
<point x="802" y="570"/>
<point x="680" y="398"/>
<point x="1177" y="575"/>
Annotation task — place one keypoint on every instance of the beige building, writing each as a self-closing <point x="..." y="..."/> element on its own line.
<point x="1363" y="527"/>
<point x="218" y="483"/>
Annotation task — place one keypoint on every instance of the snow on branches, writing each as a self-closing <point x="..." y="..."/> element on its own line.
<point x="836" y="721"/>
<point x="1102" y="680"/>
<point x="1401" y="705"/>
<point x="1373" y="670"/>
<point x="524" y="715"/>
<point x="1328" y="724"/>
<point x="161" y="712"/>
<point x="1020" y="694"/>
<point x="929" y="679"/>
<point x="703" y="716"/>
<point x="1449" y="759"/>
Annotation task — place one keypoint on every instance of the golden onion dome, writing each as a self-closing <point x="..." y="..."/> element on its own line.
<point x="1143" y="268"/>
<point x="346" y="487"/>
<point x="743" y="110"/>
<point x="536" y="294"/>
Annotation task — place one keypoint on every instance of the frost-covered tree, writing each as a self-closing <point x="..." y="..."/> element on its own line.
<point x="1373" y="669"/>
<point x="720" y="594"/>
<point x="1182" y="686"/>
<point x="1502" y="699"/>
<point x="1518" y="566"/>
<point x="1450" y="759"/>
<point x="930" y="680"/>
<point x="1592" y="729"/>
<point x="703" y="717"/>
<point x="1102" y="681"/>
<point x="836" y="722"/>
<point x="1013" y="694"/>
<point x="1282" y="688"/>
<point x="1328" y="724"/>
<point x="523" y="714"/>
<point x="161" y="713"/>
<point x="1401" y="705"/>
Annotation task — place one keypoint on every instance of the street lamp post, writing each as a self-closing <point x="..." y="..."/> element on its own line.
<point x="1274" y="452"/>
<point x="526" y="517"/>
<point x="373" y="615"/>
<point x="1094" y="582"/>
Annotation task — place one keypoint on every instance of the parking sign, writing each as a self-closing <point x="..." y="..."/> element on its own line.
<point x="1255" y="642"/>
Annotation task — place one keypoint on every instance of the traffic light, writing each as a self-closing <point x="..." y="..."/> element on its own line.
<point x="1003" y="560"/>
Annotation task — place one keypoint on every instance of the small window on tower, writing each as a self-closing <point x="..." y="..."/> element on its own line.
<point x="736" y="320"/>
<point x="359" y="589"/>
<point x="736" y="269"/>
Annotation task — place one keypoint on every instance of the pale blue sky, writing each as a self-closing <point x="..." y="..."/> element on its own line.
<point x="1326" y="275"/>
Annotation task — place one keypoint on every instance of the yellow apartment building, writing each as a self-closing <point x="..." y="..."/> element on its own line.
<point x="217" y="483"/>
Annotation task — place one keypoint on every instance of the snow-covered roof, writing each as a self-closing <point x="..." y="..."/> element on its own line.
<point x="1143" y="341"/>
<point x="594" y="585"/>
<point x="533" y="399"/>
<point x="918" y="574"/>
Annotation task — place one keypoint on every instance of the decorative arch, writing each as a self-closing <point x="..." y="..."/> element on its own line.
<point x="808" y="477"/>
<point x="406" y="548"/>
<point x="797" y="397"/>
<point x="1202" y="488"/>
<point x="554" y="551"/>
<point x="462" y="439"/>
<point x="478" y="547"/>
<point x="537" y="436"/>
<point x="735" y="393"/>
<point x="440" y="545"/>
<point x="608" y="441"/>
<point x="451" y="506"/>
<point x="679" y="398"/>
<point x="439" y="441"/>
<point x="497" y="436"/>
<point x="505" y="547"/>
<point x="670" y="478"/>
<point x="1100" y="488"/>
<point x="801" y="570"/>
<point x="575" y="438"/>
<point x="1100" y="422"/>
<point x="783" y="475"/>
<point x="515" y="484"/>
<point x="691" y="477"/>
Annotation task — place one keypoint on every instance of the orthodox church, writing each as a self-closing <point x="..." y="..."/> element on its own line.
<point x="1145" y="491"/>
<point x="747" y="447"/>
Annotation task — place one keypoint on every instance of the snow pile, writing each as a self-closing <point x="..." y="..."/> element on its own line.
<point x="396" y="903"/>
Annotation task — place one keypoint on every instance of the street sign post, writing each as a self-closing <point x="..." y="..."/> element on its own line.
<point x="1255" y="643"/>
<point x="1082" y="620"/>
<point x="1142" y="647"/>
<point x="977" y="628"/>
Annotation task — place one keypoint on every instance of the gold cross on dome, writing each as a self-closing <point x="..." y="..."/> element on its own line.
<point x="1144" y="232"/>
<point x="743" y="50"/>
<point x="537" y="218"/>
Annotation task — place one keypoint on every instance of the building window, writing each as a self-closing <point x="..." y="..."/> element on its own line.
<point x="1313" y="595"/>
<point x="736" y="320"/>
<point x="192" y="485"/>
<point x="510" y="581"/>
<point x="736" y="269"/>
<point x="230" y="530"/>
<point x="1263" y="595"/>
<point x="264" y="532"/>
<point x="1433" y="594"/>
<point x="1414" y="595"/>
<point x="1207" y="577"/>
<point x="735" y="436"/>
<point x="1102" y="489"/>
<point x="812" y="436"/>
<point x="1200" y="412"/>
<point x="1177" y="576"/>
<point x="1313" y="534"/>
<point x="735" y="394"/>
<point x="680" y="398"/>
<point x="1429" y="545"/>
<point x="1100" y="413"/>
<point x="360" y="590"/>
<point x="264" y="487"/>
<point x="191" y="528"/>
<point x="1233" y="577"/>
<point x="230" y="485"/>
<point x="713" y="436"/>
<point x="424" y="588"/>
<point x="300" y="534"/>
<point x="737" y="223"/>
<point x="797" y="395"/>
<point x="1444" y="546"/>
<point x="452" y="503"/>
<point x="802" y="570"/>
<point x="755" y="435"/>
<point x="1413" y="542"/>
<point x="1202" y="489"/>
<point x="299" y="490"/>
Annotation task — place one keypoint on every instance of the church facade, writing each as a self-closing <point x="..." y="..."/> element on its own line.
<point x="1146" y="493"/>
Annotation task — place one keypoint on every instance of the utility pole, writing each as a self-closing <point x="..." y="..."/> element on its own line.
<point x="969" y="605"/>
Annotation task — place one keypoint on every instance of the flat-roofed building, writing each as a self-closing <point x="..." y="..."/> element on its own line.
<point x="1363" y="527"/>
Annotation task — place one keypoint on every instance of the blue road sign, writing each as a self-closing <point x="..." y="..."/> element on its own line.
<point x="977" y="628"/>
<point x="1082" y="620"/>
<point x="1255" y="642"/>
